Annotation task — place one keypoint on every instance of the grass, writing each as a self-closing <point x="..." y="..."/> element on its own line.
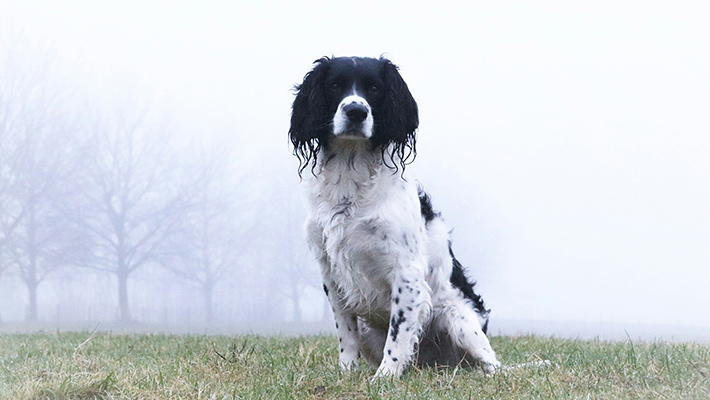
<point x="85" y="366"/>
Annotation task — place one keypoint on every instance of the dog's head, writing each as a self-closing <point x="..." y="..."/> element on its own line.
<point x="354" y="98"/>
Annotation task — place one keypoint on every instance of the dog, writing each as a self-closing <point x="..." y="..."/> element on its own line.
<point x="398" y="294"/>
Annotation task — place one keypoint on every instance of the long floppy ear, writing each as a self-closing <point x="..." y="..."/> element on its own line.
<point x="398" y="117"/>
<point x="310" y="122"/>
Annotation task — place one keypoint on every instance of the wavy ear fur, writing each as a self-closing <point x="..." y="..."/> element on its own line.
<point x="310" y="120"/>
<point x="398" y="117"/>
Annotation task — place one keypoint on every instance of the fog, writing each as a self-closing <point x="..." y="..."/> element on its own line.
<point x="567" y="146"/>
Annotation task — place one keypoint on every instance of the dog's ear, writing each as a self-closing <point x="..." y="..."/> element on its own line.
<point x="310" y="123"/>
<point x="399" y="117"/>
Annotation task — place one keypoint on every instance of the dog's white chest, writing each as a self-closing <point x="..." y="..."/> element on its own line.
<point x="367" y="223"/>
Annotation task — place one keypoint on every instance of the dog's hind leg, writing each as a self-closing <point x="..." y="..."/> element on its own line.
<point x="372" y="342"/>
<point x="457" y="317"/>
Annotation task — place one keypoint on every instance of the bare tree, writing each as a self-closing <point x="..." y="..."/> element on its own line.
<point x="132" y="198"/>
<point x="214" y="231"/>
<point x="287" y="256"/>
<point x="7" y="220"/>
<point x="38" y="147"/>
<point x="10" y="212"/>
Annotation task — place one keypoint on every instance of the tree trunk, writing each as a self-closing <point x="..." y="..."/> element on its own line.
<point x="125" y="315"/>
<point x="32" y="292"/>
<point x="207" y="295"/>
<point x="0" y="304"/>
<point x="30" y="275"/>
<point x="297" y="315"/>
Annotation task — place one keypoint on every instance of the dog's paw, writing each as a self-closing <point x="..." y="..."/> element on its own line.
<point x="490" y="368"/>
<point x="391" y="370"/>
<point x="485" y="356"/>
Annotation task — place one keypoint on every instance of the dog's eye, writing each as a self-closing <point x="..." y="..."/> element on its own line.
<point x="335" y="86"/>
<point x="374" y="89"/>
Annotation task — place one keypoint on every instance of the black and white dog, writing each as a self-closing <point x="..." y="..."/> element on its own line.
<point x="397" y="292"/>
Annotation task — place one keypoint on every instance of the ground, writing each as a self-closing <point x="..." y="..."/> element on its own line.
<point x="120" y="366"/>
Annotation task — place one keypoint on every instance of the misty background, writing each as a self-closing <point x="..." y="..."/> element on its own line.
<point x="146" y="177"/>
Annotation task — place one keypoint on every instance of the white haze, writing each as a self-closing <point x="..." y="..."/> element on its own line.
<point x="567" y="145"/>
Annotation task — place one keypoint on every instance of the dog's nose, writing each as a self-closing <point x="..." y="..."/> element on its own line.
<point x="355" y="112"/>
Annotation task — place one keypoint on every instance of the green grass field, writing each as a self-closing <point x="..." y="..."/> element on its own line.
<point x="116" y="366"/>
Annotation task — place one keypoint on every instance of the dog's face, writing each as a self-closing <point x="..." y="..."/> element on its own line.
<point x="354" y="89"/>
<point x="353" y="98"/>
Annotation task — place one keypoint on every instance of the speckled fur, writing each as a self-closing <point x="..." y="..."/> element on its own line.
<point x="384" y="253"/>
<point x="386" y="269"/>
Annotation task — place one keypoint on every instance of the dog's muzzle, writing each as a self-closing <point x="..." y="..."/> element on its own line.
<point x="353" y="118"/>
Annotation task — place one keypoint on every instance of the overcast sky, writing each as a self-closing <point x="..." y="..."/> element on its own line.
<point x="576" y="137"/>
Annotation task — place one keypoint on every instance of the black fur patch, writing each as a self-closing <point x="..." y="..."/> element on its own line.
<point x="395" y="323"/>
<point x="427" y="208"/>
<point x="459" y="281"/>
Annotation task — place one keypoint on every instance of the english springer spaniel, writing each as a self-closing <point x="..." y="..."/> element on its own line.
<point x="397" y="292"/>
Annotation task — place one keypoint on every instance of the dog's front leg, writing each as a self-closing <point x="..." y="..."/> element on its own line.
<point x="346" y="325"/>
<point x="345" y="321"/>
<point x="411" y="304"/>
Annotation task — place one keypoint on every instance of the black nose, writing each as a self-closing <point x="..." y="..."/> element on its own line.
<point x="356" y="112"/>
